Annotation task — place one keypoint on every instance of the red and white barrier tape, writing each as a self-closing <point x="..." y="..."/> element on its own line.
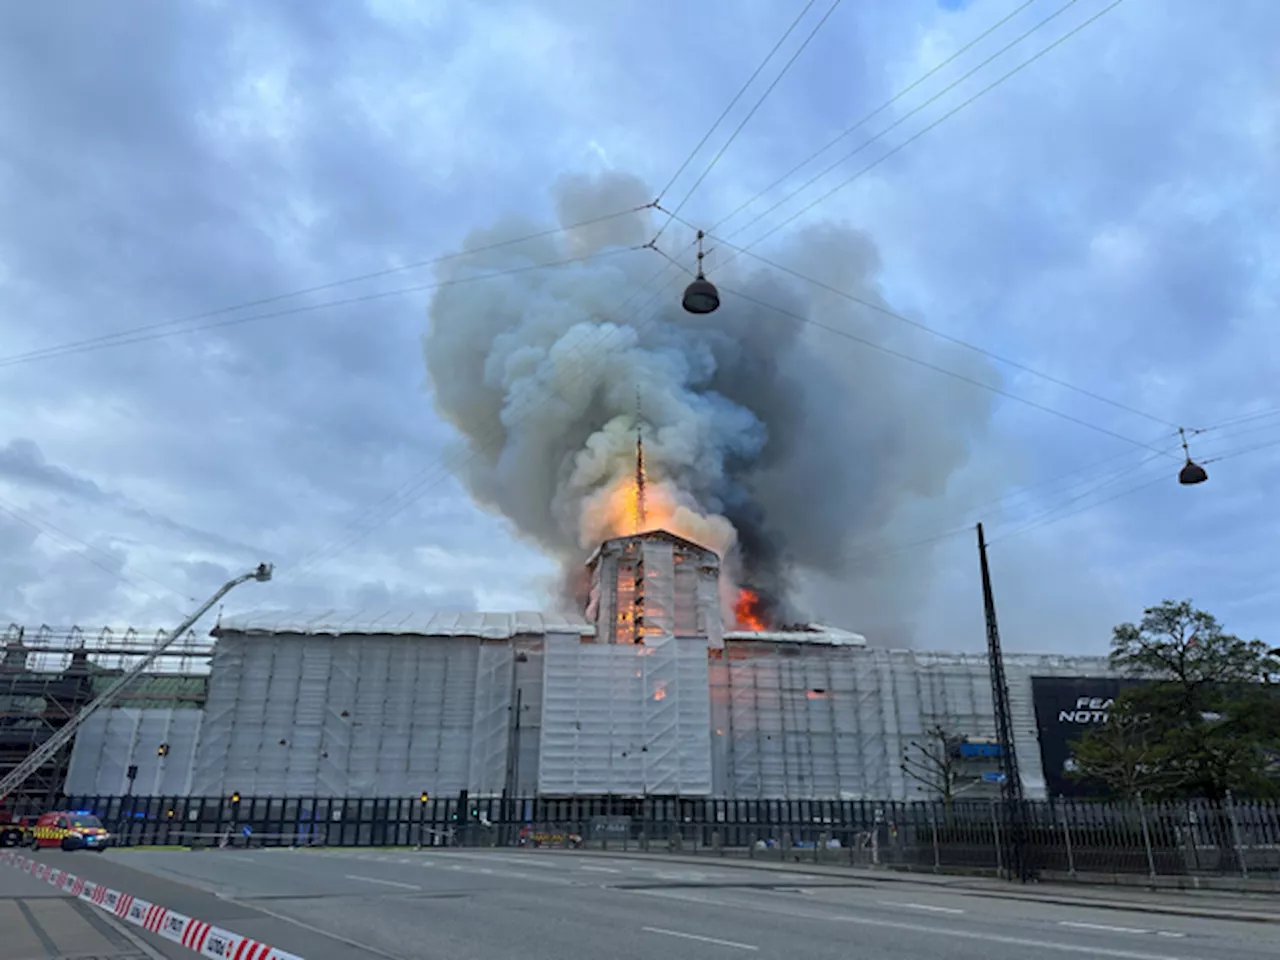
<point x="203" y="938"/>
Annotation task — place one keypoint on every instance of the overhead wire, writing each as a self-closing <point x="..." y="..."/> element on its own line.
<point x="926" y="129"/>
<point x="85" y="551"/>
<point x="732" y="103"/>
<point x="873" y="114"/>
<point x="964" y="519"/>
<point x="962" y="522"/>
<point x="890" y="351"/>
<point x="1237" y="453"/>
<point x="1243" y="418"/>
<point x="959" y="341"/>
<point x="1048" y="518"/>
<point x="1100" y="484"/>
<point x="77" y="346"/>
<point x="85" y="347"/>
<point x="759" y="102"/>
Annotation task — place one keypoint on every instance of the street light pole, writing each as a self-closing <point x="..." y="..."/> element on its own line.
<point x="19" y="774"/>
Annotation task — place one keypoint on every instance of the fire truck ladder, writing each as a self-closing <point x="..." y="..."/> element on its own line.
<point x="18" y="775"/>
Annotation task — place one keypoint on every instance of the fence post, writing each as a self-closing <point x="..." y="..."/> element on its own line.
<point x="1066" y="836"/>
<point x="933" y="829"/>
<point x="1146" y="837"/>
<point x="1235" y="837"/>
<point x="995" y="823"/>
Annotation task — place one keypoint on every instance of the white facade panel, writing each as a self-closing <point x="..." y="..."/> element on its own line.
<point x="112" y="740"/>
<point x="491" y="720"/>
<point x="797" y="721"/>
<point x="625" y="719"/>
<point x="354" y="716"/>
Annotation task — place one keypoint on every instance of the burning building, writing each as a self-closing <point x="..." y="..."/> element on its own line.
<point x="653" y="586"/>
<point x="646" y="692"/>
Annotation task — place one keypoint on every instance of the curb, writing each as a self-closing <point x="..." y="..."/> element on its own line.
<point x="957" y="885"/>
<point x="195" y="935"/>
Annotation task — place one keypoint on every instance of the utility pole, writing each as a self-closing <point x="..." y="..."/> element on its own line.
<point x="1011" y="788"/>
<point x="16" y="777"/>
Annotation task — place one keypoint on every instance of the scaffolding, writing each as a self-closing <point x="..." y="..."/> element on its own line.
<point x="47" y="675"/>
<point x="811" y="721"/>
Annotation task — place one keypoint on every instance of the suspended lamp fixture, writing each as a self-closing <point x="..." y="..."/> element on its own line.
<point x="1191" y="472"/>
<point x="701" y="296"/>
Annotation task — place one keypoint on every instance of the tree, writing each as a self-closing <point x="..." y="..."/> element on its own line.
<point x="933" y="762"/>
<point x="1127" y="756"/>
<point x="1211" y="706"/>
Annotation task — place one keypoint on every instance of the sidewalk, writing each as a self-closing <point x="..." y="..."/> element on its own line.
<point x="1210" y="904"/>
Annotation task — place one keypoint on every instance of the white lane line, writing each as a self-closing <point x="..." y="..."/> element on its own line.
<point x="793" y="911"/>
<point x="540" y="878"/>
<point x="600" y="869"/>
<point x="385" y="883"/>
<point x="694" y="936"/>
<point x="1169" y="933"/>
<point x="919" y="906"/>
<point x="1106" y="928"/>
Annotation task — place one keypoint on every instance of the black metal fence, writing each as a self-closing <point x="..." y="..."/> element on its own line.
<point x="1067" y="839"/>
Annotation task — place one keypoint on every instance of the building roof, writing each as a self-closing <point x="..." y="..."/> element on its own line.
<point x="810" y="633"/>
<point x="486" y="626"/>
<point x="656" y="534"/>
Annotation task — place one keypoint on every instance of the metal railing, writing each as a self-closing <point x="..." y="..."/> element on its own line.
<point x="1059" y="840"/>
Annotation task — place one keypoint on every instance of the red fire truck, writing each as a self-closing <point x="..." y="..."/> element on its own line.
<point x="15" y="831"/>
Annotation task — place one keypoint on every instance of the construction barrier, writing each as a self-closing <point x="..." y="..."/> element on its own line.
<point x="196" y="935"/>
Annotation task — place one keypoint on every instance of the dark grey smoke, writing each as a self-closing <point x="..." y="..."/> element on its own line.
<point x="787" y="447"/>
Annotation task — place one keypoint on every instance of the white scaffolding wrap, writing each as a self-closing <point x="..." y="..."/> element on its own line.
<point x="659" y="581"/>
<point x="800" y="721"/>
<point x="624" y="719"/>
<point x="354" y="716"/>
<point x="113" y="740"/>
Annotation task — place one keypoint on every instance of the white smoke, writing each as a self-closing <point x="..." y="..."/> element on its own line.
<point x="779" y="453"/>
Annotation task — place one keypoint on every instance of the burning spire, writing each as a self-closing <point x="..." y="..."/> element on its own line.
<point x="641" y="517"/>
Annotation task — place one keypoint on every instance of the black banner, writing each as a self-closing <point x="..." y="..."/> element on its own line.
<point x="1066" y="709"/>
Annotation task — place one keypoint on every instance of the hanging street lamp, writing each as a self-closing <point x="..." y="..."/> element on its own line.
<point x="701" y="296"/>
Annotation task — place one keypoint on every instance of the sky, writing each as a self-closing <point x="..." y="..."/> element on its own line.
<point x="1108" y="219"/>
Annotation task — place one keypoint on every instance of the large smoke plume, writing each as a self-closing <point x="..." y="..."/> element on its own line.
<point x="784" y="448"/>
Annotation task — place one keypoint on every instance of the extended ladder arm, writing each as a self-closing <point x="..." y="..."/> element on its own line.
<point x="18" y="775"/>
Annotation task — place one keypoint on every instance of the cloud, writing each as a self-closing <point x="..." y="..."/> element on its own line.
<point x="1105" y="216"/>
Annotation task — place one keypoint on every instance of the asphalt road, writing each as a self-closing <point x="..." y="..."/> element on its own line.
<point x="482" y="905"/>
<point x="38" y="922"/>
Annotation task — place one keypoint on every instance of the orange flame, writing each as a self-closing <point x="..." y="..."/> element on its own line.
<point x="747" y="611"/>
<point x="615" y="512"/>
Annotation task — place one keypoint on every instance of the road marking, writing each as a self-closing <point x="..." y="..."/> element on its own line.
<point x="793" y="912"/>
<point x="387" y="883"/>
<point x="1169" y="933"/>
<point x="314" y="929"/>
<point x="600" y="869"/>
<point x="919" y="906"/>
<point x="1106" y="928"/>
<point x="694" y="936"/>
